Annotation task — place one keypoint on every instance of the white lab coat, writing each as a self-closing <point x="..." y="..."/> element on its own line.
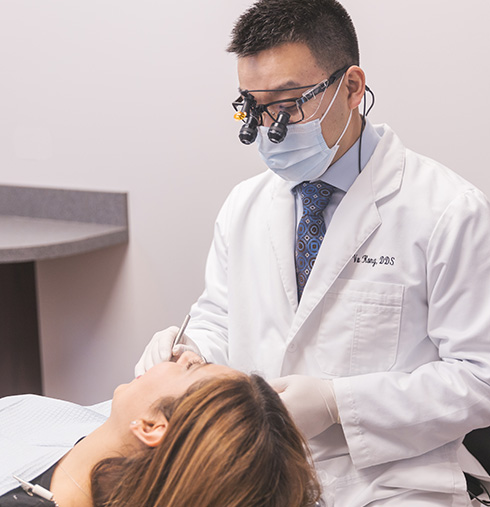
<point x="395" y="311"/>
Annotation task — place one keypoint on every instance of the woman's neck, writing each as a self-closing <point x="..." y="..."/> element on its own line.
<point x="70" y="483"/>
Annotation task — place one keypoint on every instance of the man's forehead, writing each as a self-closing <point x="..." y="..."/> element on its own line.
<point x="287" y="66"/>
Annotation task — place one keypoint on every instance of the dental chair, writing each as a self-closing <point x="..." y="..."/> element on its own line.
<point x="475" y="461"/>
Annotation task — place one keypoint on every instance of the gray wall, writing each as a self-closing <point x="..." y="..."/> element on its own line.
<point x="125" y="95"/>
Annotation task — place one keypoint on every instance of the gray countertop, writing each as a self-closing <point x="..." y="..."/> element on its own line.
<point x="40" y="223"/>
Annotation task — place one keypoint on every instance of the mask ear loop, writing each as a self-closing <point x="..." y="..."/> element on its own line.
<point x="345" y="129"/>
<point x="333" y="99"/>
<point x="317" y="107"/>
<point x="321" y="100"/>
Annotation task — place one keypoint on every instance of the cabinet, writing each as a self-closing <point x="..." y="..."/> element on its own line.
<point x="37" y="224"/>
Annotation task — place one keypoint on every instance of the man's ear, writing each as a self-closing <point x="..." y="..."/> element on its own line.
<point x="150" y="432"/>
<point x="356" y="84"/>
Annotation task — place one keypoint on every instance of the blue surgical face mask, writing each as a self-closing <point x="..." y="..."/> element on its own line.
<point x="304" y="154"/>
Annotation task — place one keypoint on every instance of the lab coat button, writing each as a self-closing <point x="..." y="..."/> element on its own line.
<point x="292" y="347"/>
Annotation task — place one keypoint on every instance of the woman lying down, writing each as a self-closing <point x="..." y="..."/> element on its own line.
<point x="183" y="434"/>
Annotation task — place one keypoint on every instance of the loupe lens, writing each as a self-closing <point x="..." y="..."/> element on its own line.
<point x="248" y="133"/>
<point x="278" y="130"/>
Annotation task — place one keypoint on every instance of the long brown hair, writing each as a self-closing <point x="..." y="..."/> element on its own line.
<point x="230" y="442"/>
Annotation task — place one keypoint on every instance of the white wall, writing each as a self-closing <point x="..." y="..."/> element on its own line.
<point x="428" y="63"/>
<point x="135" y="96"/>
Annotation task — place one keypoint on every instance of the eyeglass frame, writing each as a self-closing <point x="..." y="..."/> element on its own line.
<point x="311" y="93"/>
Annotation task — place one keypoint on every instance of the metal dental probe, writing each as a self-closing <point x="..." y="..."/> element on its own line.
<point x="180" y="333"/>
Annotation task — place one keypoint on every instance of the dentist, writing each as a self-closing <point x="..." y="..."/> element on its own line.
<point x="353" y="272"/>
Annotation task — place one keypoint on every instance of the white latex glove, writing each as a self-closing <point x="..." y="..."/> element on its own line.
<point x="158" y="350"/>
<point x="310" y="401"/>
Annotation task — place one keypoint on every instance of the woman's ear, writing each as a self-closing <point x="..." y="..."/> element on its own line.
<point x="356" y="84"/>
<point x="150" y="432"/>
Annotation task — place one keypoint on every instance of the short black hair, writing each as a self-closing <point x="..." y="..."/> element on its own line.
<point x="323" y="25"/>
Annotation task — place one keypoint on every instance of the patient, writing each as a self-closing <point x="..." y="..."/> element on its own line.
<point x="183" y="434"/>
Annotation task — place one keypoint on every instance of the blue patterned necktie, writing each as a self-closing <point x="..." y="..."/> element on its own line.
<point x="311" y="228"/>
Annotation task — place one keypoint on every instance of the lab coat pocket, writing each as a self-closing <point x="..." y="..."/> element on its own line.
<point x="360" y="327"/>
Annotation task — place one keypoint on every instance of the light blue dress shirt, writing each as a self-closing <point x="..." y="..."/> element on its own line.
<point x="343" y="172"/>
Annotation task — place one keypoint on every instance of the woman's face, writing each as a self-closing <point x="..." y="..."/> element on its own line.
<point x="134" y="400"/>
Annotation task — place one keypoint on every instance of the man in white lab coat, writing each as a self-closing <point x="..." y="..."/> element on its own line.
<point x="381" y="351"/>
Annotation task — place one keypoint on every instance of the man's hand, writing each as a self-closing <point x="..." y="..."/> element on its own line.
<point x="310" y="401"/>
<point x="159" y="349"/>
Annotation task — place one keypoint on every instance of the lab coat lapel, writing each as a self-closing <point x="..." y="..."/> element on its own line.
<point x="355" y="220"/>
<point x="282" y="230"/>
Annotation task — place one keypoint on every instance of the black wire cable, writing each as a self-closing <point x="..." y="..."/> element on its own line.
<point x="364" y="114"/>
